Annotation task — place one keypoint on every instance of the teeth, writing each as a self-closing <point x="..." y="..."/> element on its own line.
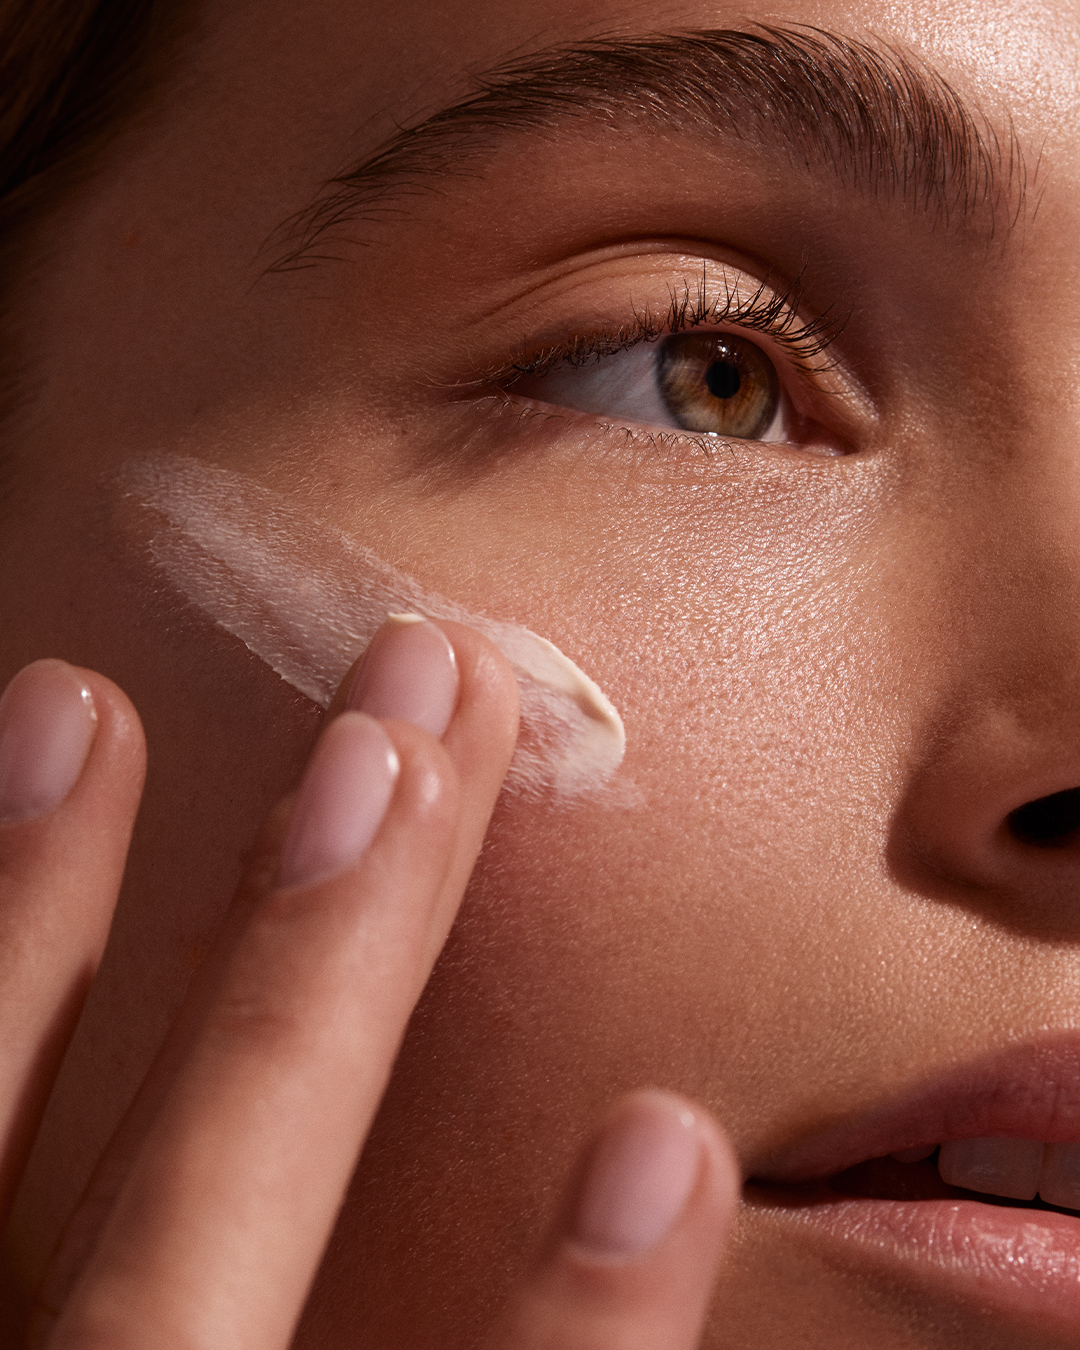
<point x="1060" y="1181"/>
<point x="1019" y="1169"/>
<point x="1009" y="1167"/>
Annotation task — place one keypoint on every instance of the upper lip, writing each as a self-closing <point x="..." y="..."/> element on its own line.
<point x="1026" y="1091"/>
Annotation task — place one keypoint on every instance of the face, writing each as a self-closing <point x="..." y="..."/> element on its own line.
<point x="778" y="446"/>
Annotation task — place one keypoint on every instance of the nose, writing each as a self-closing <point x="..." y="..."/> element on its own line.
<point x="995" y="808"/>
<point x="990" y="809"/>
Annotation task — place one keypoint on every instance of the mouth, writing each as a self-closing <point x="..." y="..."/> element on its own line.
<point x="967" y="1187"/>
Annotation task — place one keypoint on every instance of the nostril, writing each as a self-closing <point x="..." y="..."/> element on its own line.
<point x="1047" y="822"/>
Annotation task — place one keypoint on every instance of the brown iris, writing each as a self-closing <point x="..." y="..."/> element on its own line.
<point x="720" y="383"/>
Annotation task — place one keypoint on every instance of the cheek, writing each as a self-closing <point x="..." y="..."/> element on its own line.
<point x="606" y="945"/>
<point x="306" y="599"/>
<point x="724" y="933"/>
<point x="677" y="943"/>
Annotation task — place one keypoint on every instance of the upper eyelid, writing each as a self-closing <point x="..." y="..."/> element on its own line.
<point x="595" y="347"/>
<point x="601" y="345"/>
<point x="768" y="313"/>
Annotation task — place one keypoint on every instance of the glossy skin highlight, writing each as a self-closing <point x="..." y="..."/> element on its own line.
<point x="838" y="675"/>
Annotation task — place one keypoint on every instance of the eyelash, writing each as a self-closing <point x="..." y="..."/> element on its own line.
<point x="765" y="312"/>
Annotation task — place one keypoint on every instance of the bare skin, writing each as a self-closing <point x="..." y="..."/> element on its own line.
<point x="840" y="674"/>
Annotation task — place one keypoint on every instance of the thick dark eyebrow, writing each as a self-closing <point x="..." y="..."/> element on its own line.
<point x="871" y="116"/>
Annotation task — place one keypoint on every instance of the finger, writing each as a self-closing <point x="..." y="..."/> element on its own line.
<point x="633" y="1258"/>
<point x="482" y="700"/>
<point x="399" y="677"/>
<point x="403" y="676"/>
<point x="220" y="1223"/>
<point x="436" y="676"/>
<point x="71" y="773"/>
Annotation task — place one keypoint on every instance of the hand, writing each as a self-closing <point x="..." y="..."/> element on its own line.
<point x="207" y="1218"/>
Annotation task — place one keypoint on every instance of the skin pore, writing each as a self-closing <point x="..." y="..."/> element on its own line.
<point x="839" y="672"/>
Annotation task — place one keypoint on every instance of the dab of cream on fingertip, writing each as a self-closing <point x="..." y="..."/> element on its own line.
<point x="306" y="598"/>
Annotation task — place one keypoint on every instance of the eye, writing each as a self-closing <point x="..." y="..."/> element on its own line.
<point x="719" y="384"/>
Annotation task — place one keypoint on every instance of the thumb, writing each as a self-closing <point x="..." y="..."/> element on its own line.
<point x="631" y="1262"/>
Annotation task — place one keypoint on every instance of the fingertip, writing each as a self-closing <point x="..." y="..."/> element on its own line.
<point x="60" y="726"/>
<point x="658" y="1158"/>
<point x="111" y="701"/>
<point x="487" y="669"/>
<point x="638" y="1177"/>
<point x="447" y="679"/>
<point x="342" y="800"/>
<point x="486" y="723"/>
<point x="119" y="747"/>
<point x="392" y="675"/>
<point x="48" y="723"/>
<point x="409" y="673"/>
<point x="722" y="1174"/>
<point x="633" y="1256"/>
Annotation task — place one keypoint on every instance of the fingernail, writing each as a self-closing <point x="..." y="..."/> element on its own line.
<point x="410" y="672"/>
<point x="47" y="725"/>
<point x="639" y="1178"/>
<point x="342" y="800"/>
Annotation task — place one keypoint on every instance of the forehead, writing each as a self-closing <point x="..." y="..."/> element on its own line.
<point x="361" y="72"/>
<point x="311" y="92"/>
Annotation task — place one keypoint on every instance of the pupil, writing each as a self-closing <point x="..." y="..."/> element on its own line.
<point x="723" y="379"/>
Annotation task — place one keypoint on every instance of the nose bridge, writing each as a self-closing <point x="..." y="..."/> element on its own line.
<point x="991" y="802"/>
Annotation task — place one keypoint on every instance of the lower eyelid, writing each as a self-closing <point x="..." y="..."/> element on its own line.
<point x="519" y="433"/>
<point x="666" y="439"/>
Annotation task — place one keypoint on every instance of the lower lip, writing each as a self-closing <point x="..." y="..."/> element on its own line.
<point x="1015" y="1262"/>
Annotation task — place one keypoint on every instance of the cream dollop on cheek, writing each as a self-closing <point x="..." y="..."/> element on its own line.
<point x="307" y="599"/>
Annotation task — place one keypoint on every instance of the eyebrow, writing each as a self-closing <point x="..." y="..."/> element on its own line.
<point x="871" y="116"/>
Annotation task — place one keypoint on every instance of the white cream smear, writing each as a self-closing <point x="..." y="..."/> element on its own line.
<point x="307" y="599"/>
